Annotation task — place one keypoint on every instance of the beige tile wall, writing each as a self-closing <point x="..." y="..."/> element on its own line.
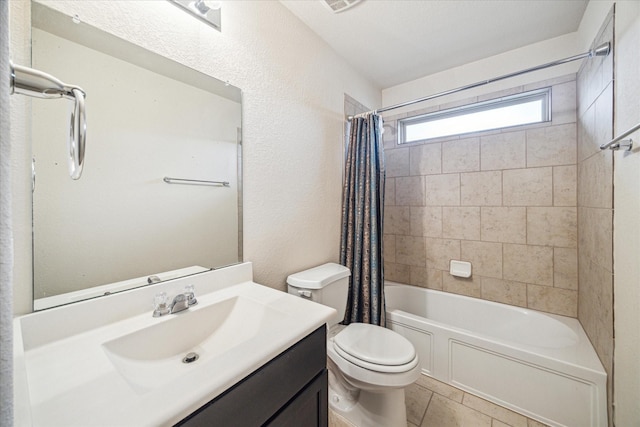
<point x="504" y="200"/>
<point x="595" y="202"/>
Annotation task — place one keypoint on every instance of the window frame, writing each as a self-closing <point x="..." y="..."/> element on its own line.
<point x="543" y="94"/>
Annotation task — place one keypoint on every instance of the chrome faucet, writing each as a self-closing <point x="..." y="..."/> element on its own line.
<point x="180" y="302"/>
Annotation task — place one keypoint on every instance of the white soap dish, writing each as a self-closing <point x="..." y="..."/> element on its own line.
<point x="460" y="268"/>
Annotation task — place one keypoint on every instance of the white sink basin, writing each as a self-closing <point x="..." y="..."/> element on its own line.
<point x="153" y="356"/>
<point x="108" y="362"/>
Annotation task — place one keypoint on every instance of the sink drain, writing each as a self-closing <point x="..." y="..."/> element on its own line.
<point x="190" y="358"/>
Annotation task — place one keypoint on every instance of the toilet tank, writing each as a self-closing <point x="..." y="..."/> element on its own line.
<point x="327" y="284"/>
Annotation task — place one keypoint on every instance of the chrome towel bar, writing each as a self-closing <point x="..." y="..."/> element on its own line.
<point x="620" y="141"/>
<point x="195" y="182"/>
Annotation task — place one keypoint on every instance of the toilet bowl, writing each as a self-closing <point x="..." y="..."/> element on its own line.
<point x="369" y="366"/>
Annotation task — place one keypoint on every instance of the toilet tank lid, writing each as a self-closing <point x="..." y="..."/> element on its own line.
<point x="318" y="277"/>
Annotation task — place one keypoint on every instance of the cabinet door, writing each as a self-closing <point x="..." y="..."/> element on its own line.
<point x="308" y="408"/>
<point x="254" y="400"/>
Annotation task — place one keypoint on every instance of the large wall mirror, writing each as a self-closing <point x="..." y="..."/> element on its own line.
<point x="148" y="118"/>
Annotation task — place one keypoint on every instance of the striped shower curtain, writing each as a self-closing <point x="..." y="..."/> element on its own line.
<point x="362" y="213"/>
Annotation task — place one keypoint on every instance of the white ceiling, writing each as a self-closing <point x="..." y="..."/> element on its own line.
<point x="395" y="41"/>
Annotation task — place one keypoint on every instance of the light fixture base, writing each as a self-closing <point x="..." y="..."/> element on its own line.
<point x="207" y="11"/>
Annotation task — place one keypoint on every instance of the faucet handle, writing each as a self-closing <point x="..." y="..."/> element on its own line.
<point x="190" y="292"/>
<point x="160" y="307"/>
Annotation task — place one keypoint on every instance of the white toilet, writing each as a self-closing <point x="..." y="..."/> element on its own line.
<point x="369" y="366"/>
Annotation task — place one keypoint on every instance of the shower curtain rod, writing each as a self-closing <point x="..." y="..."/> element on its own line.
<point x="602" y="50"/>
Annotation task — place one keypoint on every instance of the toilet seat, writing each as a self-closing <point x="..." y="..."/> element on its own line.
<point x="373" y="377"/>
<point x="375" y="348"/>
<point x="375" y="344"/>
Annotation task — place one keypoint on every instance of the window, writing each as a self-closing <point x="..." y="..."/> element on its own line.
<point x="521" y="109"/>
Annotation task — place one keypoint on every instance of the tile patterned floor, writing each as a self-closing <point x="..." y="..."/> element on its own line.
<point x="431" y="403"/>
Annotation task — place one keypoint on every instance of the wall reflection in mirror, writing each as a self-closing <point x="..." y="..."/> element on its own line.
<point x="122" y="225"/>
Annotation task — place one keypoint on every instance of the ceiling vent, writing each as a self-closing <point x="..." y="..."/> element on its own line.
<point x="340" y="5"/>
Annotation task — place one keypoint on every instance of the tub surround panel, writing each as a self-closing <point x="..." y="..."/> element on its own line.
<point x="595" y="84"/>
<point x="560" y="301"/>
<point x="397" y="163"/>
<point x="461" y="156"/>
<point x="565" y="268"/>
<point x="481" y="188"/>
<point x="410" y="191"/>
<point x="389" y="242"/>
<point x="397" y="220"/>
<point x="402" y="272"/>
<point x="427" y="277"/>
<point x="486" y="257"/>
<point x="426" y="159"/>
<point x="528" y="187"/>
<point x="555" y="226"/>
<point x="504" y="291"/>
<point x="554" y="145"/>
<point x="564" y="185"/>
<point x="390" y="192"/>
<point x="470" y="287"/>
<point x="595" y="175"/>
<point x="596" y="234"/>
<point x="504" y="224"/>
<point x="442" y="190"/>
<point x="505" y="200"/>
<point x="440" y="251"/>
<point x="410" y="250"/>
<point x="503" y="151"/>
<point x="426" y="221"/>
<point x="461" y="223"/>
<point x="529" y="264"/>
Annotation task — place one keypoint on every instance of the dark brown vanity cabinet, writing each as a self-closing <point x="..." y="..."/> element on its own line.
<point x="289" y="390"/>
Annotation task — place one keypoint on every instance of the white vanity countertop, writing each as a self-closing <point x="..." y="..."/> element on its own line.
<point x="72" y="381"/>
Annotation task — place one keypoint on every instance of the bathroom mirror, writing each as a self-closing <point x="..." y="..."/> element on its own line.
<point x="122" y="224"/>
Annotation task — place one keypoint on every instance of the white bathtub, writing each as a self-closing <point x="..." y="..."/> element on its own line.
<point x="538" y="364"/>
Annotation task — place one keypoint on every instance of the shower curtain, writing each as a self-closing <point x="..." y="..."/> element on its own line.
<point x="362" y="213"/>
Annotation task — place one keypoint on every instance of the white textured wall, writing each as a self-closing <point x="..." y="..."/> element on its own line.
<point x="6" y="245"/>
<point x="20" y="53"/>
<point x="293" y="97"/>
<point x="478" y="71"/>
<point x="626" y="225"/>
